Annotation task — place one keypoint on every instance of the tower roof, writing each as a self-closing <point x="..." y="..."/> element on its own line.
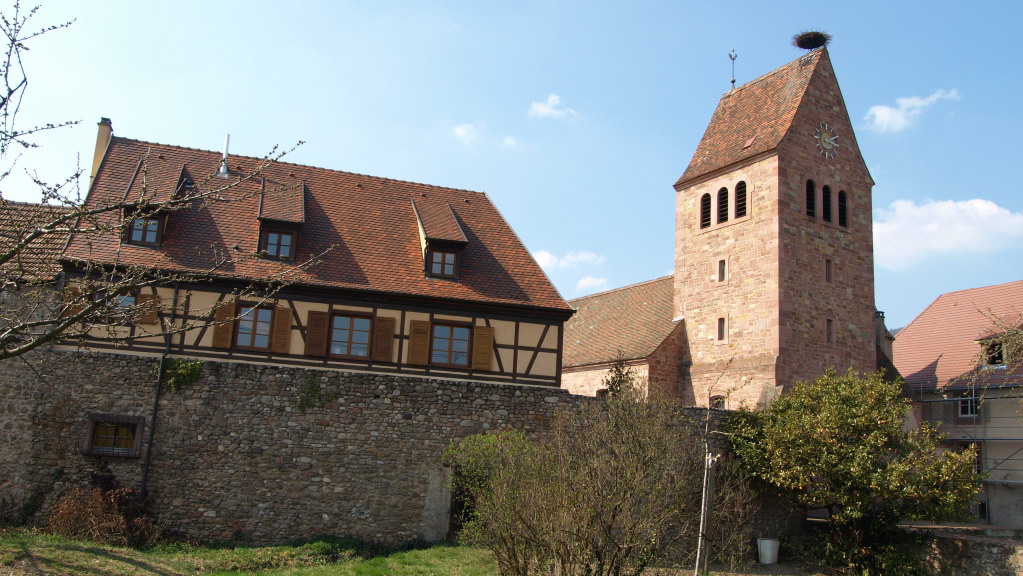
<point x="755" y="117"/>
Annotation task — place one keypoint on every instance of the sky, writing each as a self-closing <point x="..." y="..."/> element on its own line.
<point x="574" y="117"/>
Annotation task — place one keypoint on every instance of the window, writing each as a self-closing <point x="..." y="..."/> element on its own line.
<point x="843" y="210"/>
<point x="449" y="345"/>
<point x="717" y="402"/>
<point x="254" y="323"/>
<point x="349" y="336"/>
<point x="966" y="406"/>
<point x="144" y="231"/>
<point x="705" y="211"/>
<point x="111" y="435"/>
<point x="722" y="270"/>
<point x="829" y="271"/>
<point x="994" y="354"/>
<point x="722" y="205"/>
<point x="829" y="331"/>
<point x="443" y="264"/>
<point x="811" y="199"/>
<point x="740" y="199"/>
<point x="277" y="245"/>
<point x="826" y="203"/>
<point x="721" y="329"/>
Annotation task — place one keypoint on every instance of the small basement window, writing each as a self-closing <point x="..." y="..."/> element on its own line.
<point x="113" y="435"/>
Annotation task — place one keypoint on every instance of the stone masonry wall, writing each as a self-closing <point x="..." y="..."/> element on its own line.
<point x="258" y="454"/>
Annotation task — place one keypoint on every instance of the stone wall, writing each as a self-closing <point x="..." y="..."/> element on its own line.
<point x="259" y="454"/>
<point x="960" y="555"/>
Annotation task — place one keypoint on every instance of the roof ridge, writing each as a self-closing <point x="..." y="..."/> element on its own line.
<point x="620" y="288"/>
<point x="309" y="166"/>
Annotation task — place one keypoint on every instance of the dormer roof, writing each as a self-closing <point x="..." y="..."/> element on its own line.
<point x="438" y="221"/>
<point x="365" y="226"/>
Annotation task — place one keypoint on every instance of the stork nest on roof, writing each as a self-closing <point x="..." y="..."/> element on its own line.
<point x="811" y="39"/>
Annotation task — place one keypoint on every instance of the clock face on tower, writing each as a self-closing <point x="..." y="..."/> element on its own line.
<point x="826" y="140"/>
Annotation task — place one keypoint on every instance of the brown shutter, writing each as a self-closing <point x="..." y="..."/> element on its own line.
<point x="482" y="343"/>
<point x="419" y="343"/>
<point x="316" y="333"/>
<point x="383" y="338"/>
<point x="149" y="308"/>
<point x="223" y="331"/>
<point x="280" y="337"/>
<point x="72" y="302"/>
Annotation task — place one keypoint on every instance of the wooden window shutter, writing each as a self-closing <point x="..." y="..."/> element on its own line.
<point x="223" y="331"/>
<point x="316" y="333"/>
<point x="72" y="302"/>
<point x="149" y="308"/>
<point x="383" y="339"/>
<point x="280" y="337"/>
<point x="419" y="343"/>
<point x="482" y="344"/>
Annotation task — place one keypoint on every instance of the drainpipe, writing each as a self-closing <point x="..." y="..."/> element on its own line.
<point x="143" y="490"/>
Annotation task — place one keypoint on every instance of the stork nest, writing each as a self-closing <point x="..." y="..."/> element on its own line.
<point x="811" y="39"/>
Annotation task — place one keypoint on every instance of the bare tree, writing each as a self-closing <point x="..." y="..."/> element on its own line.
<point x="35" y="307"/>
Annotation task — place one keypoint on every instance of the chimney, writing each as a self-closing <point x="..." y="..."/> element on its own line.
<point x="103" y="137"/>
<point x="222" y="172"/>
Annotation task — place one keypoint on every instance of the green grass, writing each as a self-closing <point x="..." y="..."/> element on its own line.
<point x="24" y="552"/>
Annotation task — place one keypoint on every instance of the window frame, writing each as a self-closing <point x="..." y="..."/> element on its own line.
<point x="741" y="204"/>
<point x="351" y="331"/>
<point x="158" y="219"/>
<point x="722" y="271"/>
<point x="95" y="421"/>
<point x="993" y="350"/>
<point x="721" y="330"/>
<point x="829" y="271"/>
<point x="811" y="199"/>
<point x="456" y="264"/>
<point x="967" y="406"/>
<point x="453" y="326"/>
<point x="264" y="243"/>
<point x="242" y="306"/>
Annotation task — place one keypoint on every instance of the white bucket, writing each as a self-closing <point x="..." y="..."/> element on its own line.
<point x="768" y="550"/>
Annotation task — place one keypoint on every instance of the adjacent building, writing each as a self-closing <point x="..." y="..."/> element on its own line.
<point x="956" y="359"/>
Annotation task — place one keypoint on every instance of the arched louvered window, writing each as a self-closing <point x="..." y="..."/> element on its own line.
<point x="722" y="205"/>
<point x="740" y="199"/>
<point x="843" y="210"/>
<point x="826" y="203"/>
<point x="811" y="199"/>
<point x="705" y="211"/>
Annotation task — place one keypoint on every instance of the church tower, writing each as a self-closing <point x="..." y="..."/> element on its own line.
<point x="774" y="264"/>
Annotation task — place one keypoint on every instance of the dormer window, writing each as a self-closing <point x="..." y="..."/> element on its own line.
<point x="277" y="245"/>
<point x="443" y="264"/>
<point x="145" y="231"/>
<point x="994" y="354"/>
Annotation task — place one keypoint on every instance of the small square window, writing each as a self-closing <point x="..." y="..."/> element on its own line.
<point x="449" y="345"/>
<point x="443" y="264"/>
<point x="278" y="245"/>
<point x="113" y="435"/>
<point x="144" y="231"/>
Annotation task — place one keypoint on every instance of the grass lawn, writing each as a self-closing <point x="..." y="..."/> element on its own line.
<point x="29" y="553"/>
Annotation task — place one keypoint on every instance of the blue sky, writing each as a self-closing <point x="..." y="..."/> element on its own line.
<point x="575" y="117"/>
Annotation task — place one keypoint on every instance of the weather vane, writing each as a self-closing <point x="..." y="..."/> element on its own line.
<point x="733" y="56"/>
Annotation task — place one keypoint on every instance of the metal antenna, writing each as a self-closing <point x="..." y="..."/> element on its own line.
<point x="733" y="56"/>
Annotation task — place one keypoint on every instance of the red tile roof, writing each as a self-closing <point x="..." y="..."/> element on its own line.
<point x="438" y="220"/>
<point x="282" y="203"/>
<point x="941" y="344"/>
<point x="754" y="118"/>
<point x="39" y="262"/>
<point x="369" y="222"/>
<point x="635" y="318"/>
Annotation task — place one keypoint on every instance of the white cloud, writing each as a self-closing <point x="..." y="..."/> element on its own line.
<point x="467" y="133"/>
<point x="509" y="142"/>
<point x="550" y="109"/>
<point x="907" y="233"/>
<point x="589" y="283"/>
<point x="883" y="118"/>
<point x="549" y="261"/>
